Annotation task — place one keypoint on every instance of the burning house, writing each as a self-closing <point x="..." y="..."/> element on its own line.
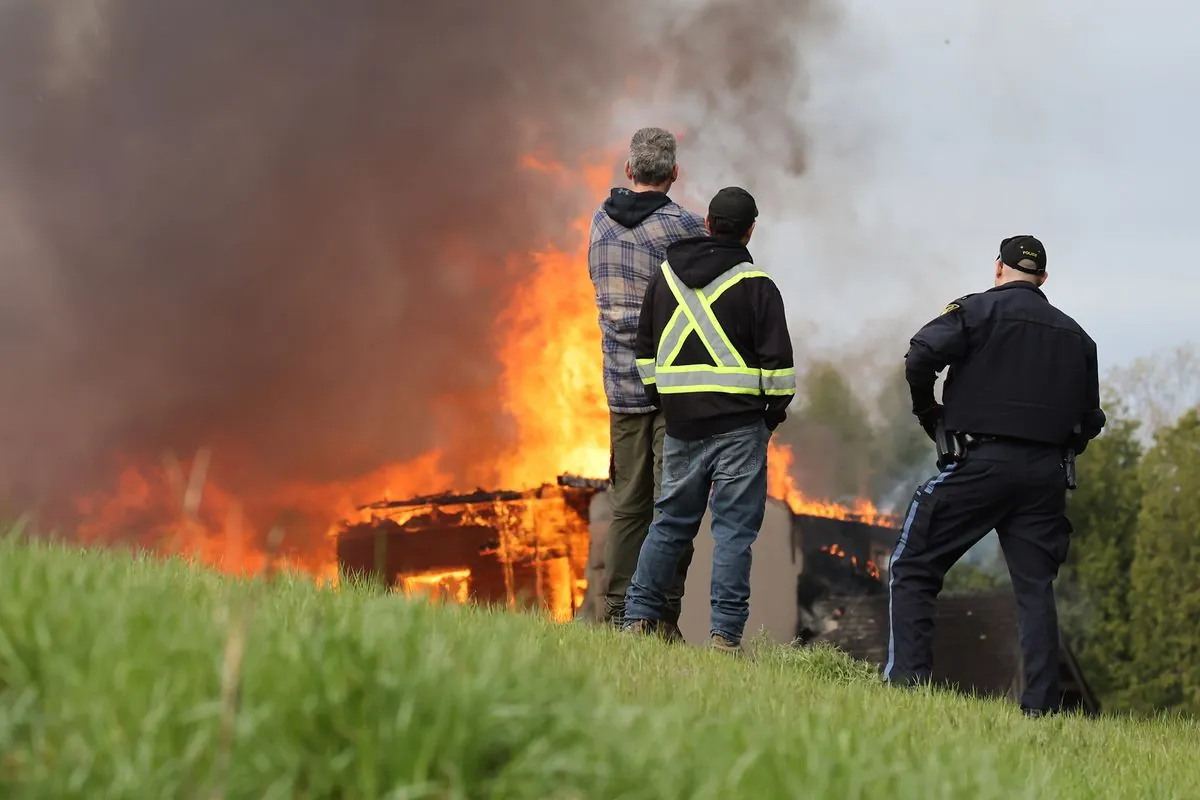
<point x="542" y="549"/>
<point x="525" y="549"/>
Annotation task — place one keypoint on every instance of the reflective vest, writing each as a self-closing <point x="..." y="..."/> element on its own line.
<point x="694" y="314"/>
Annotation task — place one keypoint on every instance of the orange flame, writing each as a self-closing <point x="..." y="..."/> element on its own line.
<point x="452" y="584"/>
<point x="781" y="484"/>
<point x="551" y="387"/>
<point x="835" y="550"/>
<point x="551" y="384"/>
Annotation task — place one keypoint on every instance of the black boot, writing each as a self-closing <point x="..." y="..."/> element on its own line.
<point x="1038" y="713"/>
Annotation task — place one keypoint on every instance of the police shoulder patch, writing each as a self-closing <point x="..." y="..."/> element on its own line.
<point x="957" y="304"/>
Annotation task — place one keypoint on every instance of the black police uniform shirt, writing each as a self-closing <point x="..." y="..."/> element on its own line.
<point x="1019" y="368"/>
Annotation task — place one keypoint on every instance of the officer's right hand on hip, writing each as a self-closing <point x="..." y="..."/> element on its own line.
<point x="929" y="419"/>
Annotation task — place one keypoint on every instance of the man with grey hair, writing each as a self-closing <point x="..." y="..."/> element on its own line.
<point x="629" y="237"/>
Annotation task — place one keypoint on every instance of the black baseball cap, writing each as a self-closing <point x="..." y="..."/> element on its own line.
<point x="733" y="206"/>
<point x="1024" y="254"/>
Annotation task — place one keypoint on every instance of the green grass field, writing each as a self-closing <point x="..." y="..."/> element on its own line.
<point x="111" y="686"/>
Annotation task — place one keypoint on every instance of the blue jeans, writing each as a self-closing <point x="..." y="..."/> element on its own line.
<point x="733" y="466"/>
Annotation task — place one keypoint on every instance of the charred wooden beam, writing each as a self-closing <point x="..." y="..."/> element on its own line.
<point x="479" y="496"/>
<point x="514" y="547"/>
<point x="445" y="499"/>
<point x="577" y="482"/>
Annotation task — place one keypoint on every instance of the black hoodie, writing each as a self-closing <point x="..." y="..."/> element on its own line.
<point x="752" y="315"/>
<point x="631" y="208"/>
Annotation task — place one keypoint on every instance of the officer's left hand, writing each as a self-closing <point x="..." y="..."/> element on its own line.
<point x="929" y="419"/>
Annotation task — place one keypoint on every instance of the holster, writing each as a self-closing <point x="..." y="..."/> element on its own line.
<point x="1069" y="465"/>
<point x="951" y="447"/>
<point x="1069" y="469"/>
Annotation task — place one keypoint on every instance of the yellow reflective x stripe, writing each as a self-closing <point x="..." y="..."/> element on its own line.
<point x="679" y="298"/>
<point x="729" y="374"/>
<point x="720" y="331"/>
<point x="673" y="336"/>
<point x="720" y="290"/>
<point x="677" y="330"/>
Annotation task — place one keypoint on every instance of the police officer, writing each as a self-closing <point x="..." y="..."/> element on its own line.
<point x="1021" y="397"/>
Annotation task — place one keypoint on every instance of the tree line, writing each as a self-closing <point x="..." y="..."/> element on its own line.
<point x="1129" y="595"/>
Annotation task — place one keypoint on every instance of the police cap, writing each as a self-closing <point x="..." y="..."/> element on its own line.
<point x="1024" y="254"/>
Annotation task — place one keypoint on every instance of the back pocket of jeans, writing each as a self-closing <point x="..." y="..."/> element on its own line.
<point x="739" y="457"/>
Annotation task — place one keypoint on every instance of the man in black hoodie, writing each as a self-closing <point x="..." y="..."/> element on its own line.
<point x="714" y="352"/>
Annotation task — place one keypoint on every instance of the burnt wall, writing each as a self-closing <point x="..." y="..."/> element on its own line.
<point x="861" y="540"/>
<point x="439" y="547"/>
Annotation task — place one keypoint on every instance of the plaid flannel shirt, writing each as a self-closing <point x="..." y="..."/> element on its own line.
<point x="621" y="261"/>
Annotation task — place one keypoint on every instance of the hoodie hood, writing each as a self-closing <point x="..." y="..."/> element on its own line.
<point x="700" y="259"/>
<point x="630" y="208"/>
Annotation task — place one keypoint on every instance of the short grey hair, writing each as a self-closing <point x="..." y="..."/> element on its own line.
<point x="652" y="156"/>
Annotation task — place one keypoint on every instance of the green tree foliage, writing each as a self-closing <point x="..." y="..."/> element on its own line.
<point x="901" y="452"/>
<point x="830" y="432"/>
<point x="1158" y="388"/>
<point x="1094" y="586"/>
<point x="841" y="452"/>
<point x="1165" y="600"/>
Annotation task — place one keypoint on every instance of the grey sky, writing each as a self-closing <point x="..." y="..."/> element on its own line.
<point x="941" y="126"/>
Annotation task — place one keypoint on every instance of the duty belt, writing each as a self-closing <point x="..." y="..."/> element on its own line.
<point x="951" y="446"/>
<point x="971" y="439"/>
<point x="981" y="438"/>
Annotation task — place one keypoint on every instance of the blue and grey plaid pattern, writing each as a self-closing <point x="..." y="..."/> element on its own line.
<point x="621" y="261"/>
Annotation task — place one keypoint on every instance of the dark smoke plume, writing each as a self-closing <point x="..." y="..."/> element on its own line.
<point x="279" y="229"/>
<point x="742" y="62"/>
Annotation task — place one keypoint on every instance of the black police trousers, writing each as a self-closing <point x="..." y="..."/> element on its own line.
<point x="1017" y="489"/>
